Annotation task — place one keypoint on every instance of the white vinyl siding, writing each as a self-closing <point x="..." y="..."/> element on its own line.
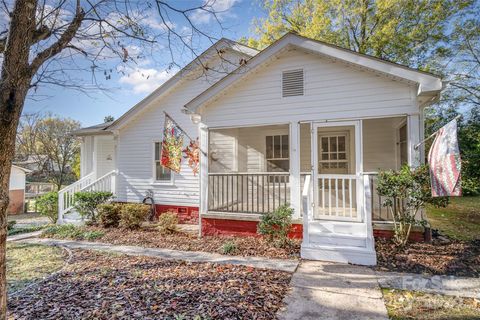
<point x="333" y="90"/>
<point x="105" y="154"/>
<point x="135" y="151"/>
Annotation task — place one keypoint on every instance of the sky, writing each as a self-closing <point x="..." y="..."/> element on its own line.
<point x="125" y="90"/>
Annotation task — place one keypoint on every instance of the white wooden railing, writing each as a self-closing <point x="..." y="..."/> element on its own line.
<point x="337" y="197"/>
<point x="66" y="196"/>
<point x="306" y="202"/>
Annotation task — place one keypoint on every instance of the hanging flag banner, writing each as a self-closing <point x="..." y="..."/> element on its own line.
<point x="192" y="153"/>
<point x="445" y="163"/>
<point x="172" y="145"/>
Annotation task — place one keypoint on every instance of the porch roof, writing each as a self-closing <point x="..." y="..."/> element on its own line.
<point x="429" y="84"/>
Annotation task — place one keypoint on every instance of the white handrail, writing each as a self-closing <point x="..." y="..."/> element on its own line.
<point x="306" y="206"/>
<point x="66" y="196"/>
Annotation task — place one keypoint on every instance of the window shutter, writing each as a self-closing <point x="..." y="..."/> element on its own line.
<point x="292" y="83"/>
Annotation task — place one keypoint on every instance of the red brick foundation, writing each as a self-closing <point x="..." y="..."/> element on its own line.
<point x="230" y="227"/>
<point x="214" y="227"/>
<point x="186" y="215"/>
<point x="415" y="236"/>
<point x="16" y="204"/>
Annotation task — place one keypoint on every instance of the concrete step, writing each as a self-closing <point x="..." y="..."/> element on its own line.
<point x="332" y="239"/>
<point x="344" y="254"/>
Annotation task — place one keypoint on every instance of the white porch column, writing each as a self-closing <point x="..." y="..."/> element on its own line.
<point x="413" y="127"/>
<point x="82" y="158"/>
<point x="203" y="133"/>
<point x="295" y="168"/>
<point x="95" y="157"/>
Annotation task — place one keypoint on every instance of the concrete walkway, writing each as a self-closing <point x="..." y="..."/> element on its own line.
<point x="327" y="290"/>
<point x="191" y="256"/>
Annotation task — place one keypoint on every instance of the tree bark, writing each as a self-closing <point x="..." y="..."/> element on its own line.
<point x="15" y="81"/>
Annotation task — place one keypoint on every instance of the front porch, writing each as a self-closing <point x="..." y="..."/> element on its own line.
<point x="326" y="171"/>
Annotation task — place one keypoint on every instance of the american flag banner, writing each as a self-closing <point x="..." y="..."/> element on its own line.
<point x="445" y="163"/>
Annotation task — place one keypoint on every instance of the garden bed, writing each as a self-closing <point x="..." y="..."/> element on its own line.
<point x="459" y="258"/>
<point x="106" y="286"/>
<point x="152" y="238"/>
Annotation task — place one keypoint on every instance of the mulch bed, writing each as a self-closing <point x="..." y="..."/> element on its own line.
<point x="106" y="286"/>
<point x="152" y="238"/>
<point x="437" y="258"/>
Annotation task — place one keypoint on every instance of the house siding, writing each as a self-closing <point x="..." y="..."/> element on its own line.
<point x="333" y="90"/>
<point x="135" y="150"/>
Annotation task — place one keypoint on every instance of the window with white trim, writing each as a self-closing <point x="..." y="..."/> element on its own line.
<point x="277" y="153"/>
<point x="162" y="174"/>
<point x="333" y="153"/>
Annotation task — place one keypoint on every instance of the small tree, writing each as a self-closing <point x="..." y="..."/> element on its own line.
<point x="48" y="206"/>
<point x="406" y="192"/>
<point x="276" y="225"/>
<point x="86" y="203"/>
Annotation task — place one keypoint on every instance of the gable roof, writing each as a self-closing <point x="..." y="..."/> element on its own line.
<point x="21" y="168"/>
<point x="95" y="129"/>
<point x="428" y="84"/>
<point x="216" y="47"/>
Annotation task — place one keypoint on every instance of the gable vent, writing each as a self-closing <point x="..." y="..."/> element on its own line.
<point x="292" y="83"/>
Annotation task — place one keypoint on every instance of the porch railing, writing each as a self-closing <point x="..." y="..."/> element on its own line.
<point x="337" y="196"/>
<point x="259" y="192"/>
<point x="379" y="212"/>
<point x="66" y="196"/>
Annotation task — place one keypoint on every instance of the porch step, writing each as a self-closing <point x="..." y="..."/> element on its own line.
<point x="343" y="254"/>
<point x="332" y="239"/>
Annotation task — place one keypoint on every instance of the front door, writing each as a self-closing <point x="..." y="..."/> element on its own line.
<point x="336" y="167"/>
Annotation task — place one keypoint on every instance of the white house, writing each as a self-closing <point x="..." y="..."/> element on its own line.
<point x="301" y="122"/>
<point x="16" y="190"/>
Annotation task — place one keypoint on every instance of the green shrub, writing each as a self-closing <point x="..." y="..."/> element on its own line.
<point x="108" y="214"/>
<point x="47" y="205"/>
<point x="276" y="225"/>
<point x="133" y="214"/>
<point x="86" y="203"/>
<point x="405" y="193"/>
<point x="229" y="247"/>
<point x="63" y="231"/>
<point x="167" y="222"/>
<point x="92" y="235"/>
<point x="470" y="186"/>
<point x="11" y="224"/>
<point x="70" y="231"/>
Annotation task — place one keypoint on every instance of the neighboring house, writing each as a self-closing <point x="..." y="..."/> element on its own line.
<point x="16" y="190"/>
<point x="301" y="122"/>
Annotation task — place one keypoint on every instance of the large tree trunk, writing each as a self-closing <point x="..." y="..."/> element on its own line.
<point x="14" y="84"/>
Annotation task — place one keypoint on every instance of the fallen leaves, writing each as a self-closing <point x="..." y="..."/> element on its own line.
<point x="152" y="238"/>
<point x="105" y="286"/>
<point x="458" y="258"/>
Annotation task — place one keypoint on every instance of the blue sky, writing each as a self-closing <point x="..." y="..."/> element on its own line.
<point x="126" y="90"/>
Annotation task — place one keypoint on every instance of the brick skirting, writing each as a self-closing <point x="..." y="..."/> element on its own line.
<point x="16" y="204"/>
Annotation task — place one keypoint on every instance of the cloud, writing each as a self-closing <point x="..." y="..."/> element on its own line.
<point x="145" y="80"/>
<point x="221" y="7"/>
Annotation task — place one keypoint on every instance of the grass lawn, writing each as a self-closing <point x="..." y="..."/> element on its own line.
<point x="460" y="220"/>
<point x="419" y="306"/>
<point x="27" y="263"/>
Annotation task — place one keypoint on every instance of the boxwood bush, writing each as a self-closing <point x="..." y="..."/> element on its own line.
<point x="133" y="214"/>
<point x="47" y="205"/>
<point x="86" y="203"/>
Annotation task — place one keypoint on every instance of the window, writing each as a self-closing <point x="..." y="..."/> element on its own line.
<point x="333" y="153"/>
<point x="277" y="153"/>
<point x="292" y="83"/>
<point x="161" y="173"/>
